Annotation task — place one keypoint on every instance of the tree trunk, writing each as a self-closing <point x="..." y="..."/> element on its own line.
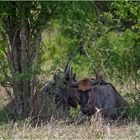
<point x="23" y="57"/>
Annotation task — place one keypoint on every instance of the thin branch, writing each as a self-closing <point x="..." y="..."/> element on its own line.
<point x="96" y="10"/>
<point x="35" y="44"/>
<point x="14" y="38"/>
<point x="121" y="29"/>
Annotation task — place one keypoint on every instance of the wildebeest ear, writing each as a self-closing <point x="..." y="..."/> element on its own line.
<point x="74" y="84"/>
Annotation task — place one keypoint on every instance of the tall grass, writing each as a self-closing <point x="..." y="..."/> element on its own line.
<point x="97" y="128"/>
<point x="70" y="125"/>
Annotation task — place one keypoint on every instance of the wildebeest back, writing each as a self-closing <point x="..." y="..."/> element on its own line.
<point x="107" y="99"/>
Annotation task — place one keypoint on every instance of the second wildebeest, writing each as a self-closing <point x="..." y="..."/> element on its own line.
<point x="65" y="95"/>
<point x="100" y="94"/>
<point x="107" y="99"/>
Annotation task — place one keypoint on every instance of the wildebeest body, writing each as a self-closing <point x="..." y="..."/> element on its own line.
<point x="100" y="95"/>
<point x="68" y="96"/>
<point x="104" y="97"/>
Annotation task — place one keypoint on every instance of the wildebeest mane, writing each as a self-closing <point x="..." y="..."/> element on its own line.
<point x="107" y="83"/>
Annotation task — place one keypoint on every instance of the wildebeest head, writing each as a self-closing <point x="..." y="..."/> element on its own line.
<point x="60" y="89"/>
<point x="73" y="96"/>
<point x="84" y="88"/>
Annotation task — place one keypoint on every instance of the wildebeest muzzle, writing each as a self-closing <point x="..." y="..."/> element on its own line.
<point x="84" y="96"/>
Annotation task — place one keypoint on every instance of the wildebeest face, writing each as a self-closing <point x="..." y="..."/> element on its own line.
<point x="84" y="97"/>
<point x="74" y="98"/>
<point x="84" y="88"/>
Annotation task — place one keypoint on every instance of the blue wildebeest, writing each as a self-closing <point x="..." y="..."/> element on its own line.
<point x="99" y="94"/>
<point x="66" y="96"/>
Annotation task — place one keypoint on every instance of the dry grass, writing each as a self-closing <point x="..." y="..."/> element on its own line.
<point x="96" y="128"/>
<point x="60" y="130"/>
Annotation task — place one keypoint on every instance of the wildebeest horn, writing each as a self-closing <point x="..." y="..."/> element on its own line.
<point x="67" y="68"/>
<point x="98" y="78"/>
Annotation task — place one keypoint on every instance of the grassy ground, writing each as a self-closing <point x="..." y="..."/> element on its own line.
<point x="96" y="128"/>
<point x="60" y="130"/>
